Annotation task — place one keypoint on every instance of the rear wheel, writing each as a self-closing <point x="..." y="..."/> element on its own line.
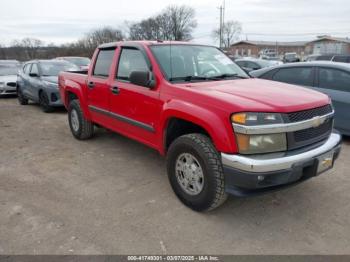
<point x="45" y="102"/>
<point x="21" y="98"/>
<point x="80" y="127"/>
<point x="195" y="172"/>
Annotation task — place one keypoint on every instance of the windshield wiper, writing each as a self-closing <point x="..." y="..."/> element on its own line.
<point x="188" y="78"/>
<point x="224" y="76"/>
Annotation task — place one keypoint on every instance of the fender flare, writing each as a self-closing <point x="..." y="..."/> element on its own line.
<point x="76" y="88"/>
<point x="214" y="124"/>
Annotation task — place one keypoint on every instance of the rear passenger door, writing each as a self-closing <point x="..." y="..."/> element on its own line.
<point x="34" y="82"/>
<point x="98" y="86"/>
<point x="336" y="84"/>
<point x="303" y="76"/>
<point x="25" y="85"/>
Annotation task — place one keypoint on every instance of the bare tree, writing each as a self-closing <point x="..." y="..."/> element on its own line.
<point x="230" y="32"/>
<point x="182" y="20"/>
<point x="30" y="47"/>
<point x="173" y="23"/>
<point x="100" y="36"/>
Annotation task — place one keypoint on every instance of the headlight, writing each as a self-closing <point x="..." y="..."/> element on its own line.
<point x="258" y="144"/>
<point x="50" y="84"/>
<point x="254" y="119"/>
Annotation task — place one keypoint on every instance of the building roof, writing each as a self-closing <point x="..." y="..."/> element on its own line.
<point x="329" y="38"/>
<point x="270" y="43"/>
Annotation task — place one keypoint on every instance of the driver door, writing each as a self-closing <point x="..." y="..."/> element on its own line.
<point x="135" y="109"/>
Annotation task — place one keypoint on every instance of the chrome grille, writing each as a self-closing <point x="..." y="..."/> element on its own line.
<point x="309" y="136"/>
<point x="308" y="114"/>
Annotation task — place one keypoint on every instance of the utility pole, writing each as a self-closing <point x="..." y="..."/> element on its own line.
<point x="221" y="19"/>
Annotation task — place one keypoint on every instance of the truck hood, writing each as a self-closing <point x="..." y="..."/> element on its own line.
<point x="8" y="79"/>
<point x="259" y="95"/>
<point x="51" y="79"/>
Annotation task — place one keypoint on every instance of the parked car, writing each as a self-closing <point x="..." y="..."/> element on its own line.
<point x="341" y="58"/>
<point x="82" y="62"/>
<point x="331" y="57"/>
<point x="222" y="134"/>
<point x="8" y="78"/>
<point x="274" y="60"/>
<point x="38" y="81"/>
<point x="291" y="58"/>
<point x="330" y="78"/>
<point x="251" y="64"/>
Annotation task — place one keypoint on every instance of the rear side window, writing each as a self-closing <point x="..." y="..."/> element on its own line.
<point x="324" y="58"/>
<point x="342" y="59"/>
<point x="253" y="65"/>
<point x="241" y="63"/>
<point x="334" y="79"/>
<point x="103" y="63"/>
<point x="131" y="60"/>
<point x="298" y="76"/>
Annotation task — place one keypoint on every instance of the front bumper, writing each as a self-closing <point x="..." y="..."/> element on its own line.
<point x="7" y="90"/>
<point x="54" y="97"/>
<point x="251" y="175"/>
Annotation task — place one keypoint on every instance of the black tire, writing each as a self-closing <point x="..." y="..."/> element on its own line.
<point x="85" y="128"/>
<point x="45" y="102"/>
<point x="213" y="193"/>
<point x="21" y="98"/>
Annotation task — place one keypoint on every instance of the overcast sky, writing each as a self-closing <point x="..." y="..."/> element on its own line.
<point x="276" y="20"/>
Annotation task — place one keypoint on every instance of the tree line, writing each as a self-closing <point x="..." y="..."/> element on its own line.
<point x="175" y="23"/>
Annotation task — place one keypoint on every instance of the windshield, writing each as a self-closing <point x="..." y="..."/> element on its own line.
<point x="195" y="63"/>
<point x="49" y="68"/>
<point x="79" y="61"/>
<point x="6" y="70"/>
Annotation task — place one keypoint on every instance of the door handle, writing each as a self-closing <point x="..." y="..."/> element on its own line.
<point x="115" y="90"/>
<point x="91" y="84"/>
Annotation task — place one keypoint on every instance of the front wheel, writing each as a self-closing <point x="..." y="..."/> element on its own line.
<point x="195" y="172"/>
<point x="45" y="102"/>
<point x="80" y="127"/>
<point x="21" y="98"/>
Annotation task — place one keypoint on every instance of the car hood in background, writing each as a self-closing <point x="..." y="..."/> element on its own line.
<point x="51" y="79"/>
<point x="8" y="79"/>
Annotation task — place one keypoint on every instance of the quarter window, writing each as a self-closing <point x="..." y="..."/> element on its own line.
<point x="298" y="76"/>
<point x="334" y="79"/>
<point x="27" y="69"/>
<point x="131" y="60"/>
<point x="103" y="63"/>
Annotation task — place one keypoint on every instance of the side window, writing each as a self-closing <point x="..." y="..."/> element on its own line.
<point x="241" y="63"/>
<point x="334" y="79"/>
<point x="103" y="63"/>
<point x="341" y="59"/>
<point x="298" y="76"/>
<point x="253" y="65"/>
<point x="26" y="69"/>
<point x="34" y="69"/>
<point x="131" y="60"/>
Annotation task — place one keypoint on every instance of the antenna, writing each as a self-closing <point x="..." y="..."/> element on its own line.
<point x="171" y="60"/>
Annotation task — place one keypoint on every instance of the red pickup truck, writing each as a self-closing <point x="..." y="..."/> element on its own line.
<point x="222" y="131"/>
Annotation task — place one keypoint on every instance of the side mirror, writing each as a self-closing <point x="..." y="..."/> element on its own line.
<point x="142" y="78"/>
<point x="33" y="75"/>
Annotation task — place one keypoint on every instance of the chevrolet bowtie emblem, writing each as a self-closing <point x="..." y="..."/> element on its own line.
<point x="317" y="121"/>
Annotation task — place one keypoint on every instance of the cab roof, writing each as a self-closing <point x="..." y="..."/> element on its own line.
<point x="144" y="43"/>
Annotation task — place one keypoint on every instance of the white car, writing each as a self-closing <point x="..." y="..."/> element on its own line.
<point x="8" y="78"/>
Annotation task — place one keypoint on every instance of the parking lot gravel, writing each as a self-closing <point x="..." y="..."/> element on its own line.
<point x="110" y="195"/>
